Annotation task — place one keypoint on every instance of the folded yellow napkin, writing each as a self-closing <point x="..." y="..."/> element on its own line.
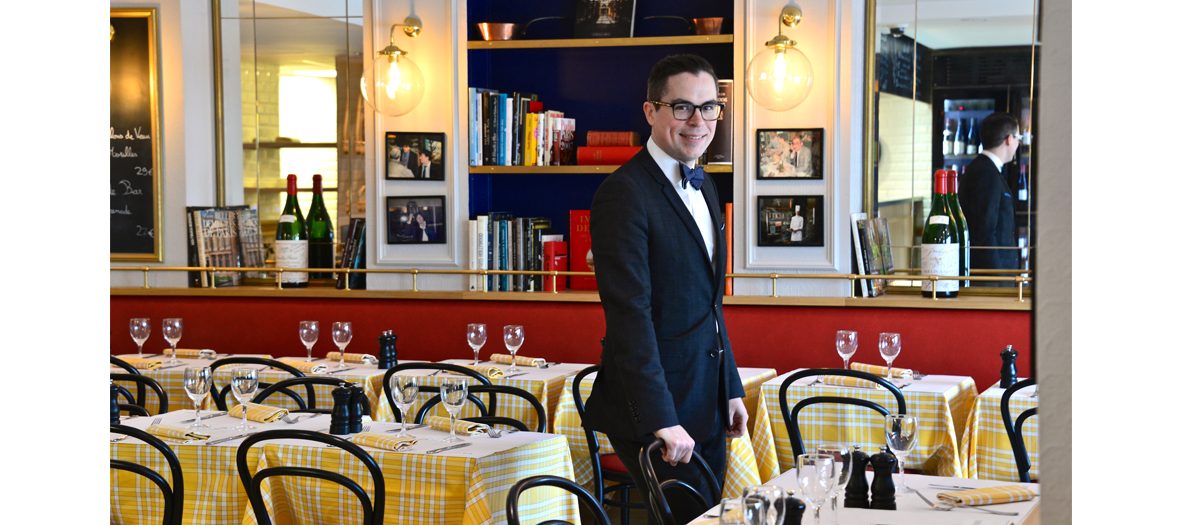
<point x="987" y="496"/>
<point x="304" y="366"/>
<point x="520" y="360"/>
<point x="365" y="359"/>
<point x="259" y="413"/>
<point x="384" y="442"/>
<point x="880" y="370"/>
<point x="176" y="433"/>
<point x="142" y="363"/>
<point x="465" y="428"/>
<point x="849" y="381"/>
<point x="190" y="353"/>
<point x="488" y="371"/>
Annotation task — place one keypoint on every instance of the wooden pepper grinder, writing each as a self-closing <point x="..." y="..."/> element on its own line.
<point x="793" y="509"/>
<point x="387" y="354"/>
<point x="884" y="493"/>
<point x="341" y="413"/>
<point x="1008" y="369"/>
<point x="856" y="493"/>
<point x="355" y="412"/>
<point x="114" y="404"/>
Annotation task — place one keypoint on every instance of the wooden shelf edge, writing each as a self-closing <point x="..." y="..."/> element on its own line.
<point x="555" y="170"/>
<point x="601" y="42"/>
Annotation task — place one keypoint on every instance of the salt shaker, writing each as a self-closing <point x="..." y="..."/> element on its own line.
<point x="387" y="356"/>
<point x="1008" y="369"/>
<point x="341" y="411"/>
<point x="884" y="493"/>
<point x="856" y="493"/>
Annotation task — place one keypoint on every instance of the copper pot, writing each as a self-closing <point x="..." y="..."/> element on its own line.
<point x="494" y="31"/>
<point x="702" y="26"/>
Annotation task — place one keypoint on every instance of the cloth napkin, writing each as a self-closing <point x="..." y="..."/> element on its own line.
<point x="175" y="433"/>
<point x="142" y="363"/>
<point x="304" y="366"/>
<point x="987" y="496"/>
<point x="898" y="373"/>
<point x="259" y="413"/>
<point x="520" y="360"/>
<point x="488" y="371"/>
<point x="849" y="381"/>
<point x="364" y="359"/>
<point x="466" y="428"/>
<point x="190" y="353"/>
<point x="383" y="442"/>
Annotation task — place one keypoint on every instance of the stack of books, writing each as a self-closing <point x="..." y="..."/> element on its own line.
<point x="608" y="148"/>
<point x="499" y="241"/>
<point x="516" y="130"/>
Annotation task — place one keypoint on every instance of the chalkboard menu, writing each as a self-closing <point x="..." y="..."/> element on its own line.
<point x="899" y="59"/>
<point x="135" y="153"/>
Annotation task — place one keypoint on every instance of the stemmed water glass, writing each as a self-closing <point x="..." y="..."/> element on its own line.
<point x="733" y="511"/>
<point x="309" y="333"/>
<point x="197" y="380"/>
<point x="405" y="392"/>
<point x="173" y="329"/>
<point x="477" y="335"/>
<point x="846" y="345"/>
<point x="890" y="345"/>
<point x="842" y="457"/>
<point x="341" y="335"/>
<point x="141" y="328"/>
<point x="244" y="383"/>
<point x="764" y="504"/>
<point x="513" y="338"/>
<point x="901" y="434"/>
<point x="817" y="477"/>
<point x="454" y="396"/>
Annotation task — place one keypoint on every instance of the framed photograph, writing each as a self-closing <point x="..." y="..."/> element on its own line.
<point x="415" y="156"/>
<point x="604" y="19"/>
<point x="791" y="220"/>
<point x="791" y="153"/>
<point x="416" y="220"/>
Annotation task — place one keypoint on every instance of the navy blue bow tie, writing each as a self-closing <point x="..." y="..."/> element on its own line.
<point x="694" y="176"/>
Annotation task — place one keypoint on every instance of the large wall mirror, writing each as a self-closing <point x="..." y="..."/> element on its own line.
<point x="941" y="67"/>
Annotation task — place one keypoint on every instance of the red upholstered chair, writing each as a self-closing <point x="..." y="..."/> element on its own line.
<point x="607" y="467"/>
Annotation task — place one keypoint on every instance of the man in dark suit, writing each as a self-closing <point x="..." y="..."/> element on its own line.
<point x="659" y="257"/>
<point x="409" y="159"/>
<point x="986" y="199"/>
<point x="427" y="169"/>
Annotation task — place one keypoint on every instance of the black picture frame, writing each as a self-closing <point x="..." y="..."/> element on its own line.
<point x="403" y="155"/>
<point x="775" y="214"/>
<point x="401" y="219"/>
<point x="775" y="148"/>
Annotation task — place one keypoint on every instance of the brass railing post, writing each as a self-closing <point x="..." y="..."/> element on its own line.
<point x="483" y="280"/>
<point x="852" y="281"/>
<point x="414" y="272"/>
<point x="279" y="278"/>
<point x="774" y="285"/>
<point x="934" y="287"/>
<point x="554" y="282"/>
<point x="1020" y="289"/>
<point x="348" y="278"/>
<point x="146" y="269"/>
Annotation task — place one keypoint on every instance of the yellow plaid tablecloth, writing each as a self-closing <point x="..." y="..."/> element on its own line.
<point x="942" y="404"/>
<point x="986" y="450"/>
<point x="751" y="457"/>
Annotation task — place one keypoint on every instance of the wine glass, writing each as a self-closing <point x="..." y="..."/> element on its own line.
<point x="765" y="504"/>
<point x="477" y="335"/>
<point x="842" y="457"/>
<point x="454" y="396"/>
<point x="513" y="338"/>
<point x="197" y="380"/>
<point x="732" y="511"/>
<point x="817" y="475"/>
<point x="173" y="329"/>
<point x="341" y="335"/>
<point x="405" y="392"/>
<point x="901" y="434"/>
<point x="244" y="383"/>
<point x="309" y="333"/>
<point x="846" y="345"/>
<point x="141" y="327"/>
<point x="890" y="345"/>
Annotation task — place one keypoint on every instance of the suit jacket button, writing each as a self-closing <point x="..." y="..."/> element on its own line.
<point x="712" y="353"/>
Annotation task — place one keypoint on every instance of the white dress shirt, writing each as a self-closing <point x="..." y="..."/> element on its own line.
<point x="693" y="199"/>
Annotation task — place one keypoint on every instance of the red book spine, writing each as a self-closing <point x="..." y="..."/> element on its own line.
<point x="555" y="260"/>
<point x="729" y="247"/>
<point x="612" y="138"/>
<point x="606" y="156"/>
<point x="579" y="245"/>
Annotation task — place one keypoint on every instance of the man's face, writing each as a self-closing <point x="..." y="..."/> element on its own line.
<point x="683" y="140"/>
<point x="423" y="159"/>
<point x="796" y="144"/>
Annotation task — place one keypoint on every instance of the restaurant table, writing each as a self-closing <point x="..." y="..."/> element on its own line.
<point x="743" y="467"/>
<point x="986" y="447"/>
<point x="911" y="510"/>
<point x="941" y="403"/>
<point x="465" y="486"/>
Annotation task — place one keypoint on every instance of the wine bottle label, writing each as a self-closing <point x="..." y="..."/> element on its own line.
<point x="939" y="219"/>
<point x="940" y="259"/>
<point x="1022" y="195"/>
<point x="970" y="150"/>
<point x="292" y="254"/>
<point x="286" y="218"/>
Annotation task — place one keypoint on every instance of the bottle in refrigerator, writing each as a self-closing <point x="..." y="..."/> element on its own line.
<point x="1022" y="184"/>
<point x="959" y="138"/>
<point x="291" y="240"/>
<point x="971" y="138"/>
<point x="940" y="243"/>
<point x="946" y="138"/>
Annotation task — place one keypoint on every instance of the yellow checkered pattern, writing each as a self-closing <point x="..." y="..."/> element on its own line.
<point x="986" y="448"/>
<point x="988" y="496"/>
<point x="939" y="414"/>
<point x="547" y="391"/>
<point x="258" y="413"/>
<point x="167" y="433"/>
<point x="419" y="489"/>
<point x="384" y="441"/>
<point x="520" y="360"/>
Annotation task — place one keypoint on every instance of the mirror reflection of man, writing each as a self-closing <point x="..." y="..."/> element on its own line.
<point x="986" y="199"/>
<point x="800" y="157"/>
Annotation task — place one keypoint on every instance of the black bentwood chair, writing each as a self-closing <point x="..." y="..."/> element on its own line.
<point x="135" y="404"/>
<point x="174" y="494"/>
<point x="660" y="509"/>
<point x="606" y="467"/>
<point x="492" y="390"/>
<point x="511" y="506"/>
<point x="220" y="395"/>
<point x="488" y="410"/>
<point x="284" y="387"/>
<point x="139" y="391"/>
<point x="1015" y="435"/>
<point x="791" y="414"/>
<point x="373" y="508"/>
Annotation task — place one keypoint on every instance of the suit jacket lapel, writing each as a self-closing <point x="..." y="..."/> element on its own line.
<point x="719" y="244"/>
<point x="674" y="200"/>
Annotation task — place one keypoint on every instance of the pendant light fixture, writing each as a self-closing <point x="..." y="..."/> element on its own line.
<point x="780" y="77"/>
<point x="392" y="84"/>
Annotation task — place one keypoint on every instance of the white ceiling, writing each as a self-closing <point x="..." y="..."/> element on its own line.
<point x="946" y="24"/>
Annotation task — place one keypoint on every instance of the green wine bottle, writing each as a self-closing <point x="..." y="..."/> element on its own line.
<point x="322" y="249"/>
<point x="961" y="225"/>
<point x="940" y="243"/>
<point x="291" y="240"/>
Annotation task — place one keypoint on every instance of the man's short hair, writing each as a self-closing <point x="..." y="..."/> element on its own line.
<point x="996" y="128"/>
<point x="657" y="82"/>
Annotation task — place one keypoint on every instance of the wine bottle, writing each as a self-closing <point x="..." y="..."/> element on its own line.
<point x="959" y="138"/>
<point x="1022" y="184"/>
<point x="960" y="225"/>
<point x="940" y="243"/>
<point x="946" y="138"/>
<point x="322" y="250"/>
<point x="971" y="138"/>
<point x="291" y="240"/>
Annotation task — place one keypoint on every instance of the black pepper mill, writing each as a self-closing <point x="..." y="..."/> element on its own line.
<point x="793" y="509"/>
<point x="387" y="356"/>
<point x="355" y="412"/>
<point x="341" y="411"/>
<point x="884" y="493"/>
<point x="856" y="493"/>
<point x="1008" y="369"/>
<point x="114" y="404"/>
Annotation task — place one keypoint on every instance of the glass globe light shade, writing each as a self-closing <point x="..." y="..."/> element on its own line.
<point x="392" y="84"/>
<point x="779" y="77"/>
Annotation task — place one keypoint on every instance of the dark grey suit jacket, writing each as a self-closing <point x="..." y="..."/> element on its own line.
<point x="663" y="361"/>
<point x="991" y="216"/>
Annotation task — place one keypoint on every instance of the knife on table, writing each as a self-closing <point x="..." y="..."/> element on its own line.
<point x="230" y="438"/>
<point x="452" y="447"/>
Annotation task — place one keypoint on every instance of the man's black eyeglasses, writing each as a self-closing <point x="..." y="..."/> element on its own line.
<point x="684" y="110"/>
